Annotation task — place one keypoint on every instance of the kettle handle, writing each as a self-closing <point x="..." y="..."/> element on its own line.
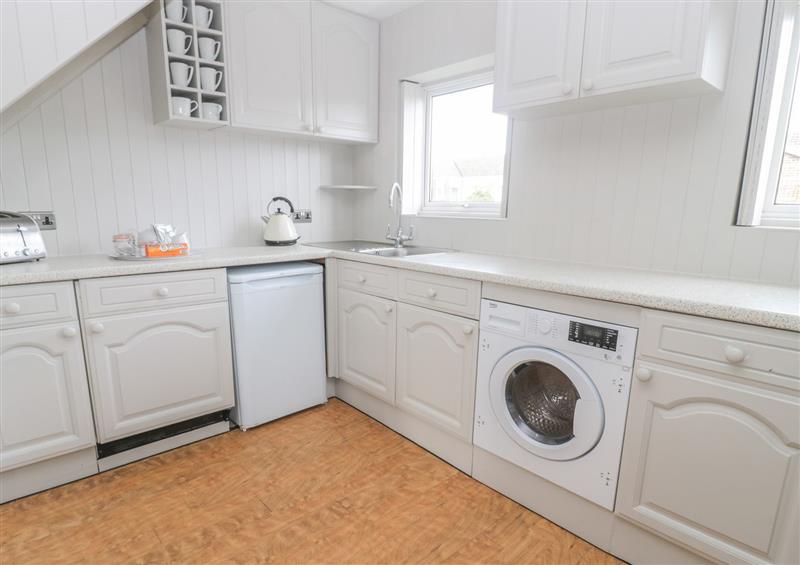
<point x="277" y="198"/>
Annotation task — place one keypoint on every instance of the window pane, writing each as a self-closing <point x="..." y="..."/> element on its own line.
<point x="467" y="148"/>
<point x="789" y="181"/>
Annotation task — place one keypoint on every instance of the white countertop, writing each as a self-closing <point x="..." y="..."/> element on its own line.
<point x="764" y="305"/>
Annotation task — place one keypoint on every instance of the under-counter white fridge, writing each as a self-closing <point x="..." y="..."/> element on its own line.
<point x="278" y="322"/>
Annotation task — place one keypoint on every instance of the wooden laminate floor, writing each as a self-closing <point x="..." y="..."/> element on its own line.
<point x="329" y="485"/>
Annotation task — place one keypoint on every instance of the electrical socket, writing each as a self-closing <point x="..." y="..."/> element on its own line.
<point x="302" y="216"/>
<point x="45" y="220"/>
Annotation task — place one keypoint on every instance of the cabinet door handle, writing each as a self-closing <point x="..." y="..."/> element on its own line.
<point x="734" y="354"/>
<point x="163" y="291"/>
<point x="644" y="374"/>
<point x="432" y="293"/>
<point x="468" y="330"/>
<point x="69" y="332"/>
<point x="310" y="128"/>
<point x="588" y="84"/>
<point x="566" y="88"/>
<point x="388" y="308"/>
<point x="12" y="308"/>
<point x="362" y="279"/>
<point x="98" y="328"/>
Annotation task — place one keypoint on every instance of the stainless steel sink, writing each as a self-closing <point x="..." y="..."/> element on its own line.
<point x="374" y="248"/>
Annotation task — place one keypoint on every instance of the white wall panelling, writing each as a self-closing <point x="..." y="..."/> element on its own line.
<point x="652" y="186"/>
<point x="40" y="36"/>
<point x="92" y="154"/>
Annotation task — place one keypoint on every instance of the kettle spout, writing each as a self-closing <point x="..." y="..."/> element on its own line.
<point x="265" y="218"/>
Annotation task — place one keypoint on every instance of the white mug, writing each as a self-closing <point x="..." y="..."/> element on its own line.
<point x="177" y="41"/>
<point x="181" y="73"/>
<point x="203" y="17"/>
<point x="209" y="49"/>
<point x="175" y="10"/>
<point x="211" y="111"/>
<point x="182" y="106"/>
<point x="210" y="79"/>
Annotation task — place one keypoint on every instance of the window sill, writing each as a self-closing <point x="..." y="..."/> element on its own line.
<point x="457" y="216"/>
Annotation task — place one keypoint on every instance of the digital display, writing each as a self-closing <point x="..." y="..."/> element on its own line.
<point x="595" y="336"/>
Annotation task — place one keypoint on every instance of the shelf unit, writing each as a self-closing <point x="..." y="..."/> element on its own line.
<point x="159" y="59"/>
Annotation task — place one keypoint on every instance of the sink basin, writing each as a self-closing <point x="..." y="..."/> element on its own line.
<point x="374" y="248"/>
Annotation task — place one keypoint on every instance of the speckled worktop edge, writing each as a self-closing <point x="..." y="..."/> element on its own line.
<point x="766" y="305"/>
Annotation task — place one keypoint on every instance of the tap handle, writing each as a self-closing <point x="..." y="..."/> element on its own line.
<point x="410" y="232"/>
<point x="388" y="231"/>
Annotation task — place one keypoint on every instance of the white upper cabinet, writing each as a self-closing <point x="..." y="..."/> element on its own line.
<point x="538" y="58"/>
<point x="303" y="67"/>
<point x="37" y="38"/>
<point x="637" y="51"/>
<point x="44" y="395"/>
<point x="345" y="51"/>
<point x="269" y="54"/>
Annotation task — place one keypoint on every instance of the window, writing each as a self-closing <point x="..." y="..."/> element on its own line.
<point x="771" y="182"/>
<point x="455" y="148"/>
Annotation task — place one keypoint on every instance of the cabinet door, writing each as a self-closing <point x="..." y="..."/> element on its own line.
<point x="538" y="52"/>
<point x="634" y="44"/>
<point x="436" y="364"/>
<point x="44" y="394"/>
<point x="269" y="58"/>
<point x="367" y="348"/>
<point x="156" y="368"/>
<point x="346" y="48"/>
<point x="712" y="464"/>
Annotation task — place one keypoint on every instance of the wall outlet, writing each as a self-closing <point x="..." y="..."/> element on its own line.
<point x="45" y="220"/>
<point x="302" y="216"/>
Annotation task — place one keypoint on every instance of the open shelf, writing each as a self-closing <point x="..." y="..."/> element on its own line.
<point x="347" y="187"/>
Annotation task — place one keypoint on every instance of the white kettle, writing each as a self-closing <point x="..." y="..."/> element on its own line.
<point x="279" y="227"/>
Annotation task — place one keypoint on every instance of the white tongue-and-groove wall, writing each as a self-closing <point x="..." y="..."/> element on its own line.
<point x="92" y="154"/>
<point x="650" y="186"/>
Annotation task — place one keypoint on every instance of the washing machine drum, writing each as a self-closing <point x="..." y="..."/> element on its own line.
<point x="547" y="403"/>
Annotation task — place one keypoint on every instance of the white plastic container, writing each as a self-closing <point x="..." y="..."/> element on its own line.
<point x="278" y="321"/>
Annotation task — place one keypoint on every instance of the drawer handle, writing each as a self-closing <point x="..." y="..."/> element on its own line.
<point x="163" y="291"/>
<point x="566" y="88"/>
<point x="362" y="279"/>
<point x="432" y="293"/>
<point x="69" y="332"/>
<point x="644" y="374"/>
<point x="98" y="328"/>
<point x="468" y="330"/>
<point x="388" y="308"/>
<point x="734" y="354"/>
<point x="12" y="308"/>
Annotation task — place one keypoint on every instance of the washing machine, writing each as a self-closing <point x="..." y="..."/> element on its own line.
<point x="552" y="395"/>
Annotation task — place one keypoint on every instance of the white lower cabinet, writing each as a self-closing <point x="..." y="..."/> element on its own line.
<point x="367" y="343"/>
<point x="155" y="368"/>
<point x="436" y="364"/>
<point x="712" y="462"/>
<point x="44" y="396"/>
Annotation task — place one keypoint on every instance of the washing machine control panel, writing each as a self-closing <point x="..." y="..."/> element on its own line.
<point x="596" y="336"/>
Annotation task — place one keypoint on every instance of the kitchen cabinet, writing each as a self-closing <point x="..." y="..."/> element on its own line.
<point x="269" y="50"/>
<point x="44" y="395"/>
<point x="539" y="47"/>
<point x="711" y="445"/>
<point x="345" y="53"/>
<point x="304" y="68"/>
<point x="150" y="369"/>
<point x="632" y="51"/>
<point x="367" y="343"/>
<point x="436" y="367"/>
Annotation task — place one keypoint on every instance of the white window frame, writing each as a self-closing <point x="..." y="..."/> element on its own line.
<point x="780" y="51"/>
<point x="416" y="98"/>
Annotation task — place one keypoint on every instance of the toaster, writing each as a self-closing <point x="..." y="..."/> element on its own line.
<point x="20" y="239"/>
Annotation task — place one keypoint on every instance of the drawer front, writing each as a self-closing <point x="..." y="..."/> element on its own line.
<point x="31" y="304"/>
<point x="448" y="294"/>
<point x="766" y="355"/>
<point x="146" y="292"/>
<point x="371" y="279"/>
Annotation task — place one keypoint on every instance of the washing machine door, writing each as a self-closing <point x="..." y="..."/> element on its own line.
<point x="546" y="403"/>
